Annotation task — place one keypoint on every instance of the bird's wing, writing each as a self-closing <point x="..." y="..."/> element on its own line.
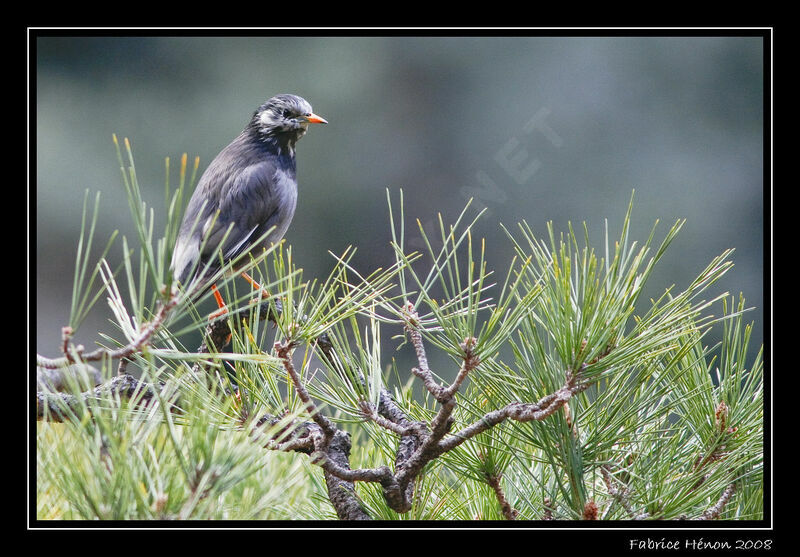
<point x="260" y="197"/>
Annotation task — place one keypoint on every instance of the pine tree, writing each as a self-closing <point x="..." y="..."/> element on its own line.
<point x="558" y="392"/>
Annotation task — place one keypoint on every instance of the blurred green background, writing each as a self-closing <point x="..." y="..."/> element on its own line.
<point x="535" y="128"/>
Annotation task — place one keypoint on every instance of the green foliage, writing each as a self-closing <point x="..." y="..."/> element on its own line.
<point x="463" y="289"/>
<point x="127" y="463"/>
<point x="660" y="428"/>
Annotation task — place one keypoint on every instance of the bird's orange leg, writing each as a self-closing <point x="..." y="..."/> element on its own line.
<point x="255" y="285"/>
<point x="223" y="309"/>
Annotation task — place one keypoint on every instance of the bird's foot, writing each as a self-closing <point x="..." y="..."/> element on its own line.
<point x="218" y="313"/>
<point x="256" y="286"/>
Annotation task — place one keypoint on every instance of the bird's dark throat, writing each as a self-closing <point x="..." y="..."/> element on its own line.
<point x="282" y="142"/>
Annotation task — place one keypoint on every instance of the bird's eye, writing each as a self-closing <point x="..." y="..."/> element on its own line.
<point x="286" y="112"/>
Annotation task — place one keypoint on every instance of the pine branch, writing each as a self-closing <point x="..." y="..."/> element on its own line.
<point x="59" y="407"/>
<point x="548" y="506"/>
<point x="621" y="495"/>
<point x="518" y="411"/>
<point x="505" y="507"/>
<point x="322" y="440"/>
<point x="716" y="510"/>
<point x="427" y="440"/>
<point x="133" y="347"/>
<point x="284" y="350"/>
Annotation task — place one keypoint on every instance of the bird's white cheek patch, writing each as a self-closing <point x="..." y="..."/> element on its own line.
<point x="266" y="119"/>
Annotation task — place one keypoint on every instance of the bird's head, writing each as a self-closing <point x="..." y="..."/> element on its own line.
<point x="286" y="117"/>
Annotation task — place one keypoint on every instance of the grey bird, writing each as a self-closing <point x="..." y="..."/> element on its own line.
<point x="249" y="187"/>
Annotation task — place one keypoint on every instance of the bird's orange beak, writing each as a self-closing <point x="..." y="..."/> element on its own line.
<point x="314" y="119"/>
